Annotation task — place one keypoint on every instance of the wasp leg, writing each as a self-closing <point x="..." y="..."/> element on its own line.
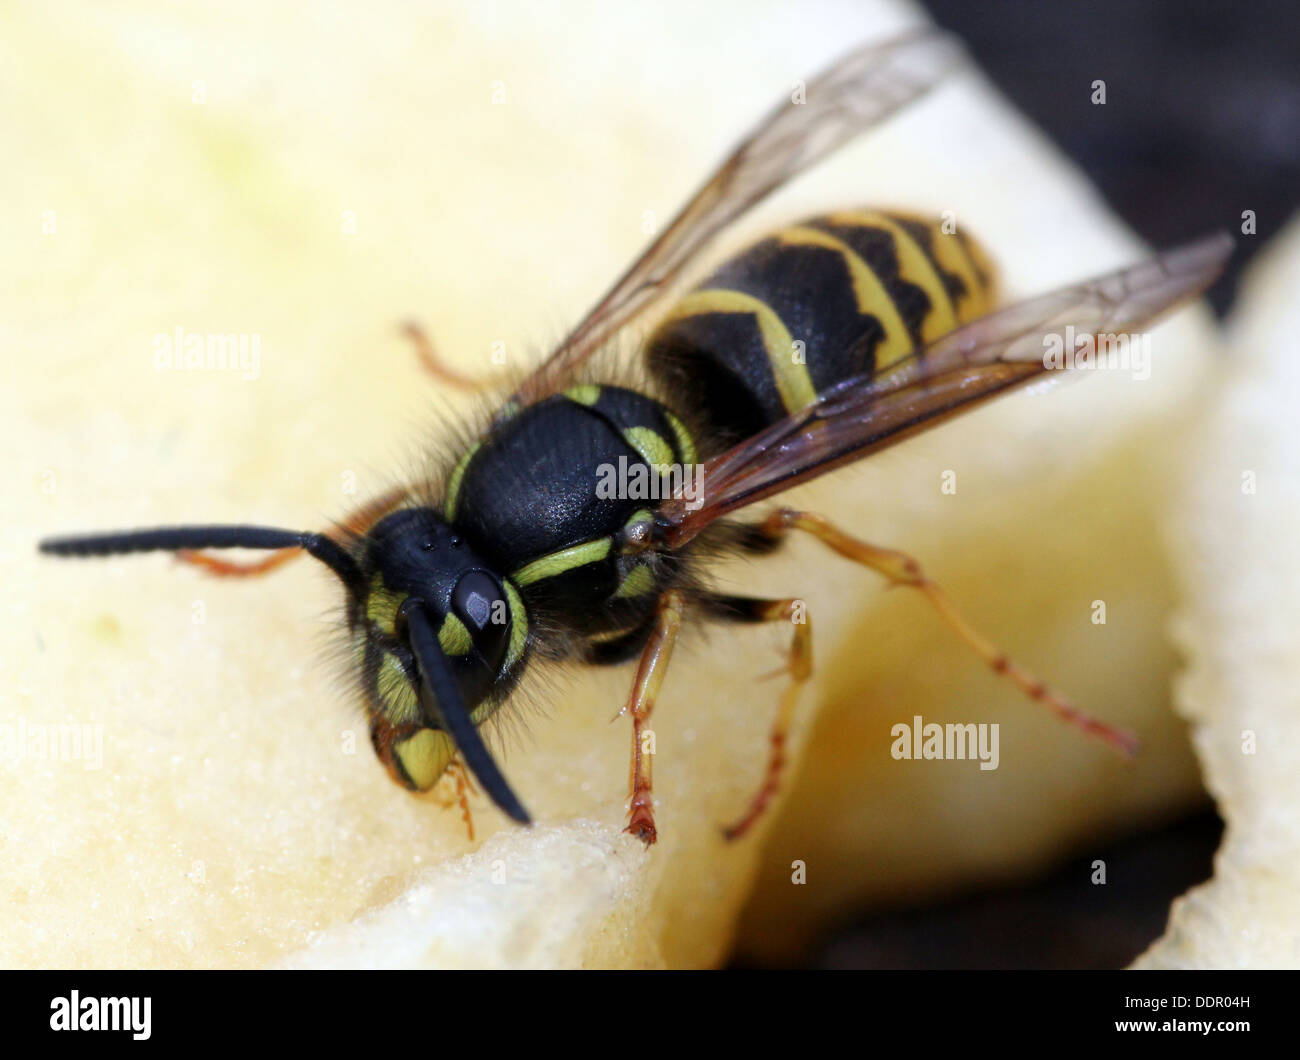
<point x="228" y="568"/>
<point x="432" y="362"/>
<point x="357" y="523"/>
<point x="902" y="569"/>
<point x="464" y="788"/>
<point x="655" y="655"/>
<point x="387" y="738"/>
<point x="798" y="666"/>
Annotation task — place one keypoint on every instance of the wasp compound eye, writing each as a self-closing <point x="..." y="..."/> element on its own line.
<point x="480" y="603"/>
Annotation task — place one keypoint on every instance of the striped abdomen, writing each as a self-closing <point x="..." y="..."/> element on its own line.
<point x="837" y="296"/>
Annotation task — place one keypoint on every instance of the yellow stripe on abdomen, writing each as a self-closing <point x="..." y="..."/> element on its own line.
<point x="962" y="257"/>
<point x="792" y="380"/>
<point x="914" y="266"/>
<point x="872" y="297"/>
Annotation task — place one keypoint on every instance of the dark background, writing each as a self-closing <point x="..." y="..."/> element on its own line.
<point x="1202" y="113"/>
<point x="1202" y="121"/>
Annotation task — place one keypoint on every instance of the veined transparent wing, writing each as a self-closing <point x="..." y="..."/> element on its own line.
<point x="970" y="365"/>
<point x="849" y="97"/>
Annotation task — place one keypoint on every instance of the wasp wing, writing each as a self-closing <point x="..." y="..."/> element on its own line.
<point x="972" y="364"/>
<point x="859" y="91"/>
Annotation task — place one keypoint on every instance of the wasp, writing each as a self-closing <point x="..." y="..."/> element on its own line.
<point x="815" y="347"/>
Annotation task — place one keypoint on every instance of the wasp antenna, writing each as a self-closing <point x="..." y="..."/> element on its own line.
<point x="177" y="538"/>
<point x="449" y="711"/>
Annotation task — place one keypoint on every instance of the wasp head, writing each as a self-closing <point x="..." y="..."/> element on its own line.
<point x="440" y="636"/>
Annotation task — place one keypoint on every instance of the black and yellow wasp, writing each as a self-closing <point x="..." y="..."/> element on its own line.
<point x="824" y="342"/>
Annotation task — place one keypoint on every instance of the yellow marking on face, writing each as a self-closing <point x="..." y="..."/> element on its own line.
<point x="566" y="559"/>
<point x="870" y="293"/>
<point x="457" y="474"/>
<point x="639" y="581"/>
<point x="793" y="383"/>
<point x="651" y="446"/>
<point x="685" y="443"/>
<point x="401" y="703"/>
<point x="914" y="266"/>
<point x="382" y="605"/>
<point x="425" y="756"/>
<point x="518" y="624"/>
<point x="454" y="637"/>
<point x="583" y="393"/>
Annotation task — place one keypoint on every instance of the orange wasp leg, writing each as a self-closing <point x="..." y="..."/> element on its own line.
<point x="902" y="569"/>
<point x="357" y="523"/>
<point x="798" y="666"/>
<point x="385" y="736"/>
<point x="655" y="656"/>
<point x="433" y="363"/>
<point x="464" y="788"/>
<point x="230" y="568"/>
